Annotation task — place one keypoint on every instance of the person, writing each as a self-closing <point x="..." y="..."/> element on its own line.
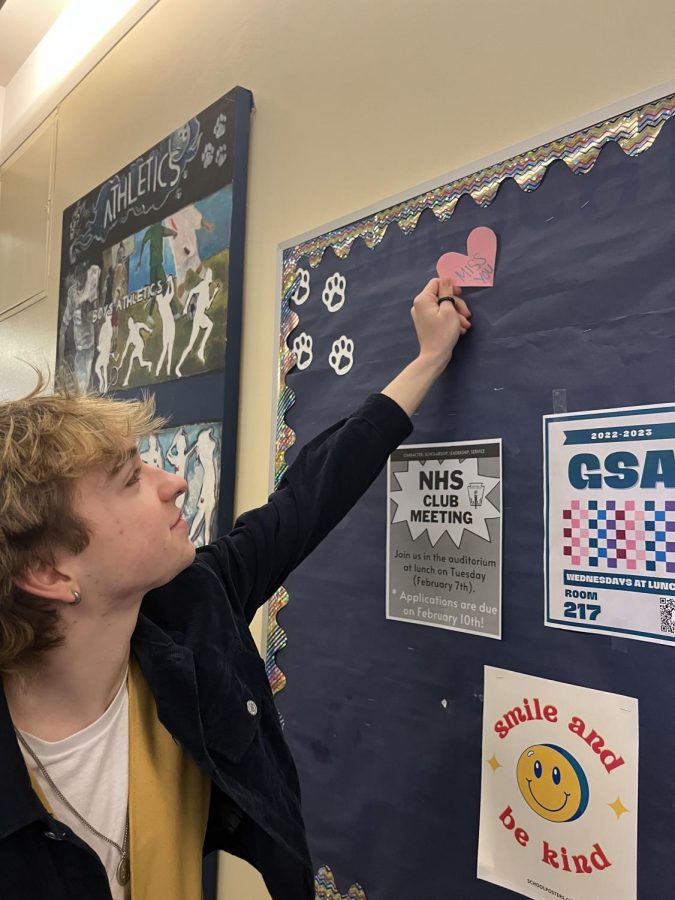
<point x="197" y="305"/>
<point x="154" y="238"/>
<point x="137" y="726"/>
<point x="184" y="225"/>
<point x="81" y="299"/>
<point x="136" y="344"/>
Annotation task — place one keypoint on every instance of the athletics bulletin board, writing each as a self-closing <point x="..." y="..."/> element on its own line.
<point x="569" y="370"/>
<point x="150" y="297"/>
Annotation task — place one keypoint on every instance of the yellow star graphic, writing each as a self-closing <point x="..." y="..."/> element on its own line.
<point x="493" y="763"/>
<point x="618" y="808"/>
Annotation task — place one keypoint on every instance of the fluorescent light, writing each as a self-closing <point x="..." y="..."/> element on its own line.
<point x="79" y="28"/>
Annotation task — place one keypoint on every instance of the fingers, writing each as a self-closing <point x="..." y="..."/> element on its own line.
<point x="464" y="323"/>
<point x="441" y="287"/>
<point x="444" y="287"/>
<point x="462" y="308"/>
<point x="429" y="292"/>
<point x="459" y="307"/>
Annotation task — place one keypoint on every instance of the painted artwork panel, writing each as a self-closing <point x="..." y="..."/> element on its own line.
<point x="192" y="452"/>
<point x="151" y="292"/>
<point x="145" y="264"/>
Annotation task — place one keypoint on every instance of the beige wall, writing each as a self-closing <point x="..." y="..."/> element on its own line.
<point x="356" y="100"/>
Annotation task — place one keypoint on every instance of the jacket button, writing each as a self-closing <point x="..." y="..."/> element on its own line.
<point x="52" y="835"/>
<point x="252" y="707"/>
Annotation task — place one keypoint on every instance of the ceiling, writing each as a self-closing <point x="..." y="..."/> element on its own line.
<point x="23" y="24"/>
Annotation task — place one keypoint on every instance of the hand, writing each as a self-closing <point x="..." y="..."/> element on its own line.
<point x="439" y="325"/>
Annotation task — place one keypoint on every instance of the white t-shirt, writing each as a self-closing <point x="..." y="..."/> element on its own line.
<point x="91" y="769"/>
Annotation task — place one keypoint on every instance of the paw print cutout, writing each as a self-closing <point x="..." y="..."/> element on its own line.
<point x="207" y="155"/>
<point x="221" y="154"/>
<point x="301" y="292"/>
<point x="302" y="347"/>
<point x="220" y="126"/>
<point x="333" y="294"/>
<point x="341" y="358"/>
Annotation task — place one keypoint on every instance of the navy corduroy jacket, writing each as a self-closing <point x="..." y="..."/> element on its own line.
<point x="194" y="646"/>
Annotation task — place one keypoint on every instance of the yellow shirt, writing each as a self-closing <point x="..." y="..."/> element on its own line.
<point x="168" y="804"/>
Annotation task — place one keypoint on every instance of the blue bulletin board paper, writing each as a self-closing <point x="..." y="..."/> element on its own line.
<point x="384" y="718"/>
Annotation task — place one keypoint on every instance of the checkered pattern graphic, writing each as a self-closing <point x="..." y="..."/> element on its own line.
<point x="626" y="536"/>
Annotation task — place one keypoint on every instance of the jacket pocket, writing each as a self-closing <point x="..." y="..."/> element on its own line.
<point x="232" y="705"/>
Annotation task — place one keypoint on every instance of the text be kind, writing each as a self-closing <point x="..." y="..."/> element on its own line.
<point x="535" y="711"/>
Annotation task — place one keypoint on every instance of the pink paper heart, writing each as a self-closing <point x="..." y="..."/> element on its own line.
<point x="477" y="268"/>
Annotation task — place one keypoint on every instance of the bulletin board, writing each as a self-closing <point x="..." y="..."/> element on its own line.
<point x="384" y="718"/>
<point x="150" y="298"/>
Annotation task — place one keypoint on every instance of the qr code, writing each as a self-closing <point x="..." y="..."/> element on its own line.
<point x="667" y="614"/>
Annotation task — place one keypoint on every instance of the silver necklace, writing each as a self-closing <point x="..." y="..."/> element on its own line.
<point x="123" y="872"/>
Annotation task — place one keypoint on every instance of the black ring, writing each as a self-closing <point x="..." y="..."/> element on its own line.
<point x="449" y="299"/>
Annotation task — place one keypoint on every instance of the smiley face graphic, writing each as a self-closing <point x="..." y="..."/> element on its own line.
<point x="552" y="783"/>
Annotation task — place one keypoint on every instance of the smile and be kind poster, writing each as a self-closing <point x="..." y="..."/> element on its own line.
<point x="558" y="812"/>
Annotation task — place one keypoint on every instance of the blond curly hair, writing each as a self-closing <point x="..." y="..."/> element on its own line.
<point x="47" y="442"/>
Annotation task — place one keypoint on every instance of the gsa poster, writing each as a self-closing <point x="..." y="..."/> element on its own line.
<point x="444" y="536"/>
<point x="559" y="799"/>
<point x="609" y="508"/>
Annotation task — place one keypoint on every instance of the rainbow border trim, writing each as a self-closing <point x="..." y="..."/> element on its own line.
<point x="326" y="889"/>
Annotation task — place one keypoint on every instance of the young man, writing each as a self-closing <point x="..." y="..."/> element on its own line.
<point x="137" y="727"/>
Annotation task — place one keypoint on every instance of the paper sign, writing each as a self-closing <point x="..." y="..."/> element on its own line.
<point x="477" y="267"/>
<point x="444" y="536"/>
<point x="609" y="509"/>
<point x="559" y="789"/>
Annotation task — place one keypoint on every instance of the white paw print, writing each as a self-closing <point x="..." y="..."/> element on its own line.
<point x="220" y="126"/>
<point x="341" y="358"/>
<point x="301" y="292"/>
<point x="221" y="154"/>
<point x="302" y="347"/>
<point x="207" y="155"/>
<point x="333" y="294"/>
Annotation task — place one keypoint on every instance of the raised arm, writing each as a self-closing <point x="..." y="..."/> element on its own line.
<point x="333" y="470"/>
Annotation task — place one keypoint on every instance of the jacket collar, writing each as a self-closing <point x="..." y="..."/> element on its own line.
<point x="169" y="669"/>
<point x="20" y="804"/>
